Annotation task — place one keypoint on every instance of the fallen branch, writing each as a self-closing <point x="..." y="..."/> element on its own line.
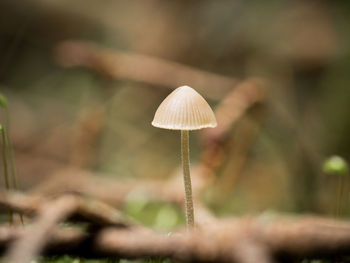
<point x="33" y="239"/>
<point x="79" y="208"/>
<point x="242" y="240"/>
<point x="49" y="215"/>
<point x="142" y="68"/>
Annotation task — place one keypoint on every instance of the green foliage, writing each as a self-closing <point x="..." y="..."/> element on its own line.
<point x="3" y="101"/>
<point x="335" y="165"/>
<point x="162" y="216"/>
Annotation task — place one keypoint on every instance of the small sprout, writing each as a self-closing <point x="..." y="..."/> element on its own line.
<point x="335" y="165"/>
<point x="185" y="109"/>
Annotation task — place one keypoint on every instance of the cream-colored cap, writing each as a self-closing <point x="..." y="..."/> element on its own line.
<point x="184" y="109"/>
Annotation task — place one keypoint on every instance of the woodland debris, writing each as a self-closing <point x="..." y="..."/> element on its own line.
<point x="246" y="239"/>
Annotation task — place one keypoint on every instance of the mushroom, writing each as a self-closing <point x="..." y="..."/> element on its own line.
<point x="185" y="110"/>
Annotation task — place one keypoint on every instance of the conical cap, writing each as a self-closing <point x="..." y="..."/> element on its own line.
<point x="184" y="109"/>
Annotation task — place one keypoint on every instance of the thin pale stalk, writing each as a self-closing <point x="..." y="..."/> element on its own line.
<point x="339" y="196"/>
<point x="6" y="177"/>
<point x="13" y="169"/>
<point x="185" y="156"/>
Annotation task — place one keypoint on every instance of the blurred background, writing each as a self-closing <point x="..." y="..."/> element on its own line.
<point x="84" y="78"/>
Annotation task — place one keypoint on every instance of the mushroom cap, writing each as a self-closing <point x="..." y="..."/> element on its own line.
<point x="184" y="109"/>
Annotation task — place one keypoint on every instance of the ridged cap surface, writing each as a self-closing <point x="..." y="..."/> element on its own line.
<point x="184" y="109"/>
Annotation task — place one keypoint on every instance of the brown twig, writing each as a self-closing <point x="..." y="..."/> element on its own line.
<point x="231" y="109"/>
<point x="34" y="238"/>
<point x="84" y="209"/>
<point x="49" y="214"/>
<point x="234" y="105"/>
<point x="105" y="189"/>
<point x="115" y="192"/>
<point x="142" y="68"/>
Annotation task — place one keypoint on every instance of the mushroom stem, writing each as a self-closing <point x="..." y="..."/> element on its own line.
<point x="6" y="176"/>
<point x="185" y="156"/>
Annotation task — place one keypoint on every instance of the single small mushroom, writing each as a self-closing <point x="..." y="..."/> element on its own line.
<point x="185" y="109"/>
